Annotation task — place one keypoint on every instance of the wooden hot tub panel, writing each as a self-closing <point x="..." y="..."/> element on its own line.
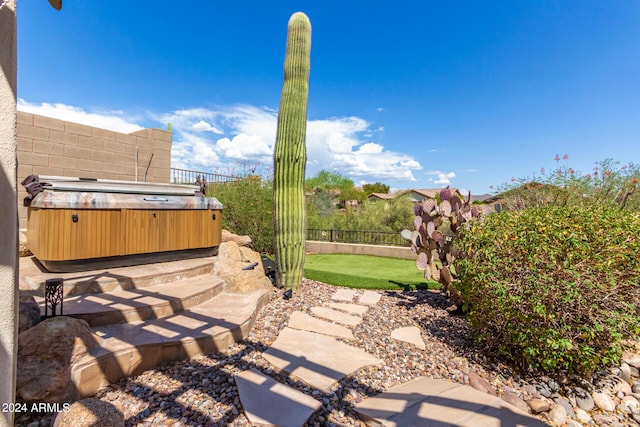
<point x="71" y="234"/>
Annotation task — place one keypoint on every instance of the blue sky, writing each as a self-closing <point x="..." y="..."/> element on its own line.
<point x="417" y="94"/>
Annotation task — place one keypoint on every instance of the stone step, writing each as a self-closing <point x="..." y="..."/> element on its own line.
<point x="345" y="295"/>
<point x="270" y="403"/>
<point x="369" y="297"/>
<point x="431" y="402"/>
<point x="130" y="349"/>
<point x="134" y="305"/>
<point x="360" y="310"/>
<point x="33" y="276"/>
<point x="409" y="334"/>
<point x="303" y="322"/>
<point x="316" y="359"/>
<point x="336" y="316"/>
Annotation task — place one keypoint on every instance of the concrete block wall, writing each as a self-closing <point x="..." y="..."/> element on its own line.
<point x="48" y="146"/>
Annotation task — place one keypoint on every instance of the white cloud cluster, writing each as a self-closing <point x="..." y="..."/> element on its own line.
<point x="206" y="127"/>
<point x="212" y="139"/>
<point x="441" y="178"/>
<point x="335" y="144"/>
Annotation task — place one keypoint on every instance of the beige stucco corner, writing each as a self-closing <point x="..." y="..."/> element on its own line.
<point x="8" y="212"/>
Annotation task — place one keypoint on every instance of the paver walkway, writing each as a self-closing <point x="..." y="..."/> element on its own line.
<point x="410" y="334"/>
<point x="308" y="351"/>
<point x="430" y="402"/>
<point x="273" y="403"/>
<point x="336" y="316"/>
<point x="304" y="322"/>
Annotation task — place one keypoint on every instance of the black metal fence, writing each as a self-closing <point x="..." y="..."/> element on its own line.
<point x="185" y="176"/>
<point x="357" y="236"/>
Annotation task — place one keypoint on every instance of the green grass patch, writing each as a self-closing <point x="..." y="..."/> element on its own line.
<point x="366" y="272"/>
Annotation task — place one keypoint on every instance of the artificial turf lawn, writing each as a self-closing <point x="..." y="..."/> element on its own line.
<point x="365" y="271"/>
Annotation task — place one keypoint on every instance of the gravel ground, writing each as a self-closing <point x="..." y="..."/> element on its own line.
<point x="202" y="392"/>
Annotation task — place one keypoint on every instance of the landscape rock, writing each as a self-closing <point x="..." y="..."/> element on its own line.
<point x="633" y="361"/>
<point x="531" y="390"/>
<point x="603" y="401"/>
<point x="515" y="400"/>
<point x="625" y="372"/>
<point x="573" y="423"/>
<point x="604" y="419"/>
<point x="46" y="356"/>
<point x="583" y="399"/>
<point x="538" y="405"/>
<point x="90" y="413"/>
<point x="553" y="385"/>
<point x="566" y="405"/>
<point x="232" y="258"/>
<point x="23" y="247"/>
<point x="582" y="416"/>
<point x="631" y="356"/>
<point x="630" y="402"/>
<point x="558" y="415"/>
<point x="479" y="383"/>
<point x="614" y="384"/>
<point x="28" y="313"/>
<point x="228" y="236"/>
<point x="636" y="387"/>
<point x="544" y="389"/>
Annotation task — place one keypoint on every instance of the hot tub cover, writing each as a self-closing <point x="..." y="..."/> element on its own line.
<point x="77" y="193"/>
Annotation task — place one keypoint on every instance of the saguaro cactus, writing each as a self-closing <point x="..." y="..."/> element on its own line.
<point x="290" y="156"/>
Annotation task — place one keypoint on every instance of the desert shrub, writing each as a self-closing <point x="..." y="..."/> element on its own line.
<point x="609" y="183"/>
<point x="248" y="209"/>
<point x="383" y="215"/>
<point x="554" y="289"/>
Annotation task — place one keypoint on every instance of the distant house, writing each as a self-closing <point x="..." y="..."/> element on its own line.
<point x="418" y="195"/>
<point x="381" y="196"/>
<point x="428" y="193"/>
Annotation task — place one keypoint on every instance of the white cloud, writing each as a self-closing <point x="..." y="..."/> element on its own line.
<point x="206" y="127"/>
<point x="251" y="129"/>
<point x="338" y="144"/>
<point x="370" y="148"/>
<point x="114" y="120"/>
<point x="380" y="109"/>
<point x="443" y="178"/>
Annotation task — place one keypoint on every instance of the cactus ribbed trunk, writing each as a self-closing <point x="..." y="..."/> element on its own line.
<point x="290" y="156"/>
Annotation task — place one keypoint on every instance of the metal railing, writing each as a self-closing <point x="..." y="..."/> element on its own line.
<point x="357" y="236"/>
<point x="185" y="176"/>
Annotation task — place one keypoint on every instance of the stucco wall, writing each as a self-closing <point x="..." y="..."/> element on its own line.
<point x="8" y="218"/>
<point x="48" y="146"/>
<point x="317" y="247"/>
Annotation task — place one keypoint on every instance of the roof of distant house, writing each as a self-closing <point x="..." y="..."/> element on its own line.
<point x="382" y="196"/>
<point x="431" y="192"/>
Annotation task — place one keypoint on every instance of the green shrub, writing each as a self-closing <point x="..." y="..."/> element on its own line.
<point x="384" y="215"/>
<point x="608" y="184"/>
<point x="247" y="209"/>
<point x="554" y="289"/>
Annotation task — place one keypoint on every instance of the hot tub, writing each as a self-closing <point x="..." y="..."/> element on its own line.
<point x="74" y="223"/>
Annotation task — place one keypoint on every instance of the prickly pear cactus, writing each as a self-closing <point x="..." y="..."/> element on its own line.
<point x="437" y="224"/>
<point x="290" y="156"/>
